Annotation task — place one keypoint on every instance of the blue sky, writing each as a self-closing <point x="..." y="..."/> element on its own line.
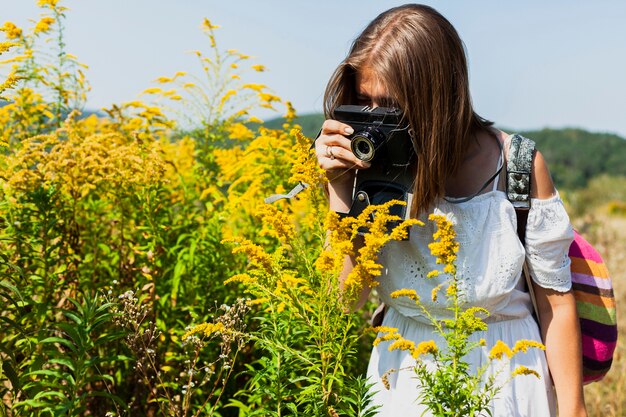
<point x="533" y="64"/>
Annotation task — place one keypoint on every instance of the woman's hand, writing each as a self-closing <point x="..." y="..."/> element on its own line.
<point x="334" y="156"/>
<point x="333" y="152"/>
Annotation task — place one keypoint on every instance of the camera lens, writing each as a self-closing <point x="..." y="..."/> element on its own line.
<point x="363" y="147"/>
<point x="364" y="144"/>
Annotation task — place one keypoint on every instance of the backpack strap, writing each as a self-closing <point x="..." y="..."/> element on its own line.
<point x="518" y="176"/>
<point x="518" y="172"/>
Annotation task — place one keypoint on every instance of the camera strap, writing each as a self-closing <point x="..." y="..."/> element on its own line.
<point x="295" y="190"/>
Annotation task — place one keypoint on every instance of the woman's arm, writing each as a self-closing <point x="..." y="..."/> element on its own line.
<point x="559" y="322"/>
<point x="561" y="335"/>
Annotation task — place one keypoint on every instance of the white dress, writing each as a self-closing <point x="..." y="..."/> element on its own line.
<point x="489" y="265"/>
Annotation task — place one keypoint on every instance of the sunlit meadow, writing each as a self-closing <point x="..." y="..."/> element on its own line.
<point x="142" y="273"/>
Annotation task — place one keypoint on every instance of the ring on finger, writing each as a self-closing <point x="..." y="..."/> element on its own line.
<point x="329" y="152"/>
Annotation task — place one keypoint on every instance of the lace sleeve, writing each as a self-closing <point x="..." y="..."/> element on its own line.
<point x="549" y="235"/>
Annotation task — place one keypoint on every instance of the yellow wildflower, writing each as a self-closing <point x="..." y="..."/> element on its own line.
<point x="435" y="292"/>
<point x="523" y="345"/>
<point x="385" y="379"/>
<point x="207" y="25"/>
<point x="406" y="293"/>
<point x="291" y="111"/>
<point x="44" y="24"/>
<point x="522" y="370"/>
<point x="326" y="262"/>
<point x="376" y="237"/>
<point x="305" y="168"/>
<point x="227" y="95"/>
<point x="445" y="246"/>
<point x="500" y="349"/>
<point x="206" y="329"/>
<point x="382" y="329"/>
<point x="253" y="119"/>
<point x="425" y="348"/>
<point x="259" y="68"/>
<point x="255" y="253"/>
<point x="451" y="291"/>
<point x="239" y="131"/>
<point x="50" y="3"/>
<point x="242" y="278"/>
<point x="153" y="90"/>
<point x="276" y="223"/>
<point x="402" y="344"/>
<point x="386" y="337"/>
<point x="432" y="274"/>
<point x="255" y="87"/>
<point x="470" y="322"/>
<point x="10" y="82"/>
<point x="11" y="31"/>
<point x="268" y="98"/>
<point x="5" y="46"/>
<point x="257" y="301"/>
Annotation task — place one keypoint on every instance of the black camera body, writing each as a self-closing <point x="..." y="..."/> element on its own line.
<point x="380" y="137"/>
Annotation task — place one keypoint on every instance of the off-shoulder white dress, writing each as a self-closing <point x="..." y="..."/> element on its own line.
<point x="489" y="265"/>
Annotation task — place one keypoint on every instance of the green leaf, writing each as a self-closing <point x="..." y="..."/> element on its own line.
<point x="12" y="289"/>
<point x="49" y="394"/>
<point x="59" y="340"/>
<point x="47" y="372"/>
<point x="63" y="361"/>
<point x="73" y="316"/>
<point x="76" y="333"/>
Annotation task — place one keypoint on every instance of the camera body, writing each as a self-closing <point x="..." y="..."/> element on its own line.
<point x="380" y="137"/>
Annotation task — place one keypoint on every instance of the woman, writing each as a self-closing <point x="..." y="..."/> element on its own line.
<point x="411" y="57"/>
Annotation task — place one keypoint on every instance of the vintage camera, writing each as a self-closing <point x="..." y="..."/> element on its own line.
<point x="380" y="137"/>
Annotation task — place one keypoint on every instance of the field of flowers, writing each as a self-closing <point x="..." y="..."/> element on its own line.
<point x="141" y="272"/>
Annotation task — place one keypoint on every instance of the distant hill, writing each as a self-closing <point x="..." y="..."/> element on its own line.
<point x="310" y="123"/>
<point x="573" y="155"/>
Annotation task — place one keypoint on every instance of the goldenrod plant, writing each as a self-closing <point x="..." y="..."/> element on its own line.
<point x="52" y="80"/>
<point x="307" y="336"/>
<point x="451" y="388"/>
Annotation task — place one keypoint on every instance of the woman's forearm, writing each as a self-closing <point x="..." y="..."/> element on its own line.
<point x="340" y="194"/>
<point x="561" y="335"/>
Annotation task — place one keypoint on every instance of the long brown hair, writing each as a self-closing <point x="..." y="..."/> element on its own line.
<point x="419" y="57"/>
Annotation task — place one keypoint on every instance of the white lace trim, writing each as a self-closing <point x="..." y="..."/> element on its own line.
<point x="549" y="235"/>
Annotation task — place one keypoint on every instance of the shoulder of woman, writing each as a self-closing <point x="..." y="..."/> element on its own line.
<point x="542" y="185"/>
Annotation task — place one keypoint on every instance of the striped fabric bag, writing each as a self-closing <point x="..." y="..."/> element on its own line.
<point x="595" y="304"/>
<point x="591" y="284"/>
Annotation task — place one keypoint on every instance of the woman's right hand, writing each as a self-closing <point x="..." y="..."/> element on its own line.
<point x="333" y="152"/>
<point x="332" y="148"/>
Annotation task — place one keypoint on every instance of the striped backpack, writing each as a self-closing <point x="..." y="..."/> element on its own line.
<point x="591" y="284"/>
